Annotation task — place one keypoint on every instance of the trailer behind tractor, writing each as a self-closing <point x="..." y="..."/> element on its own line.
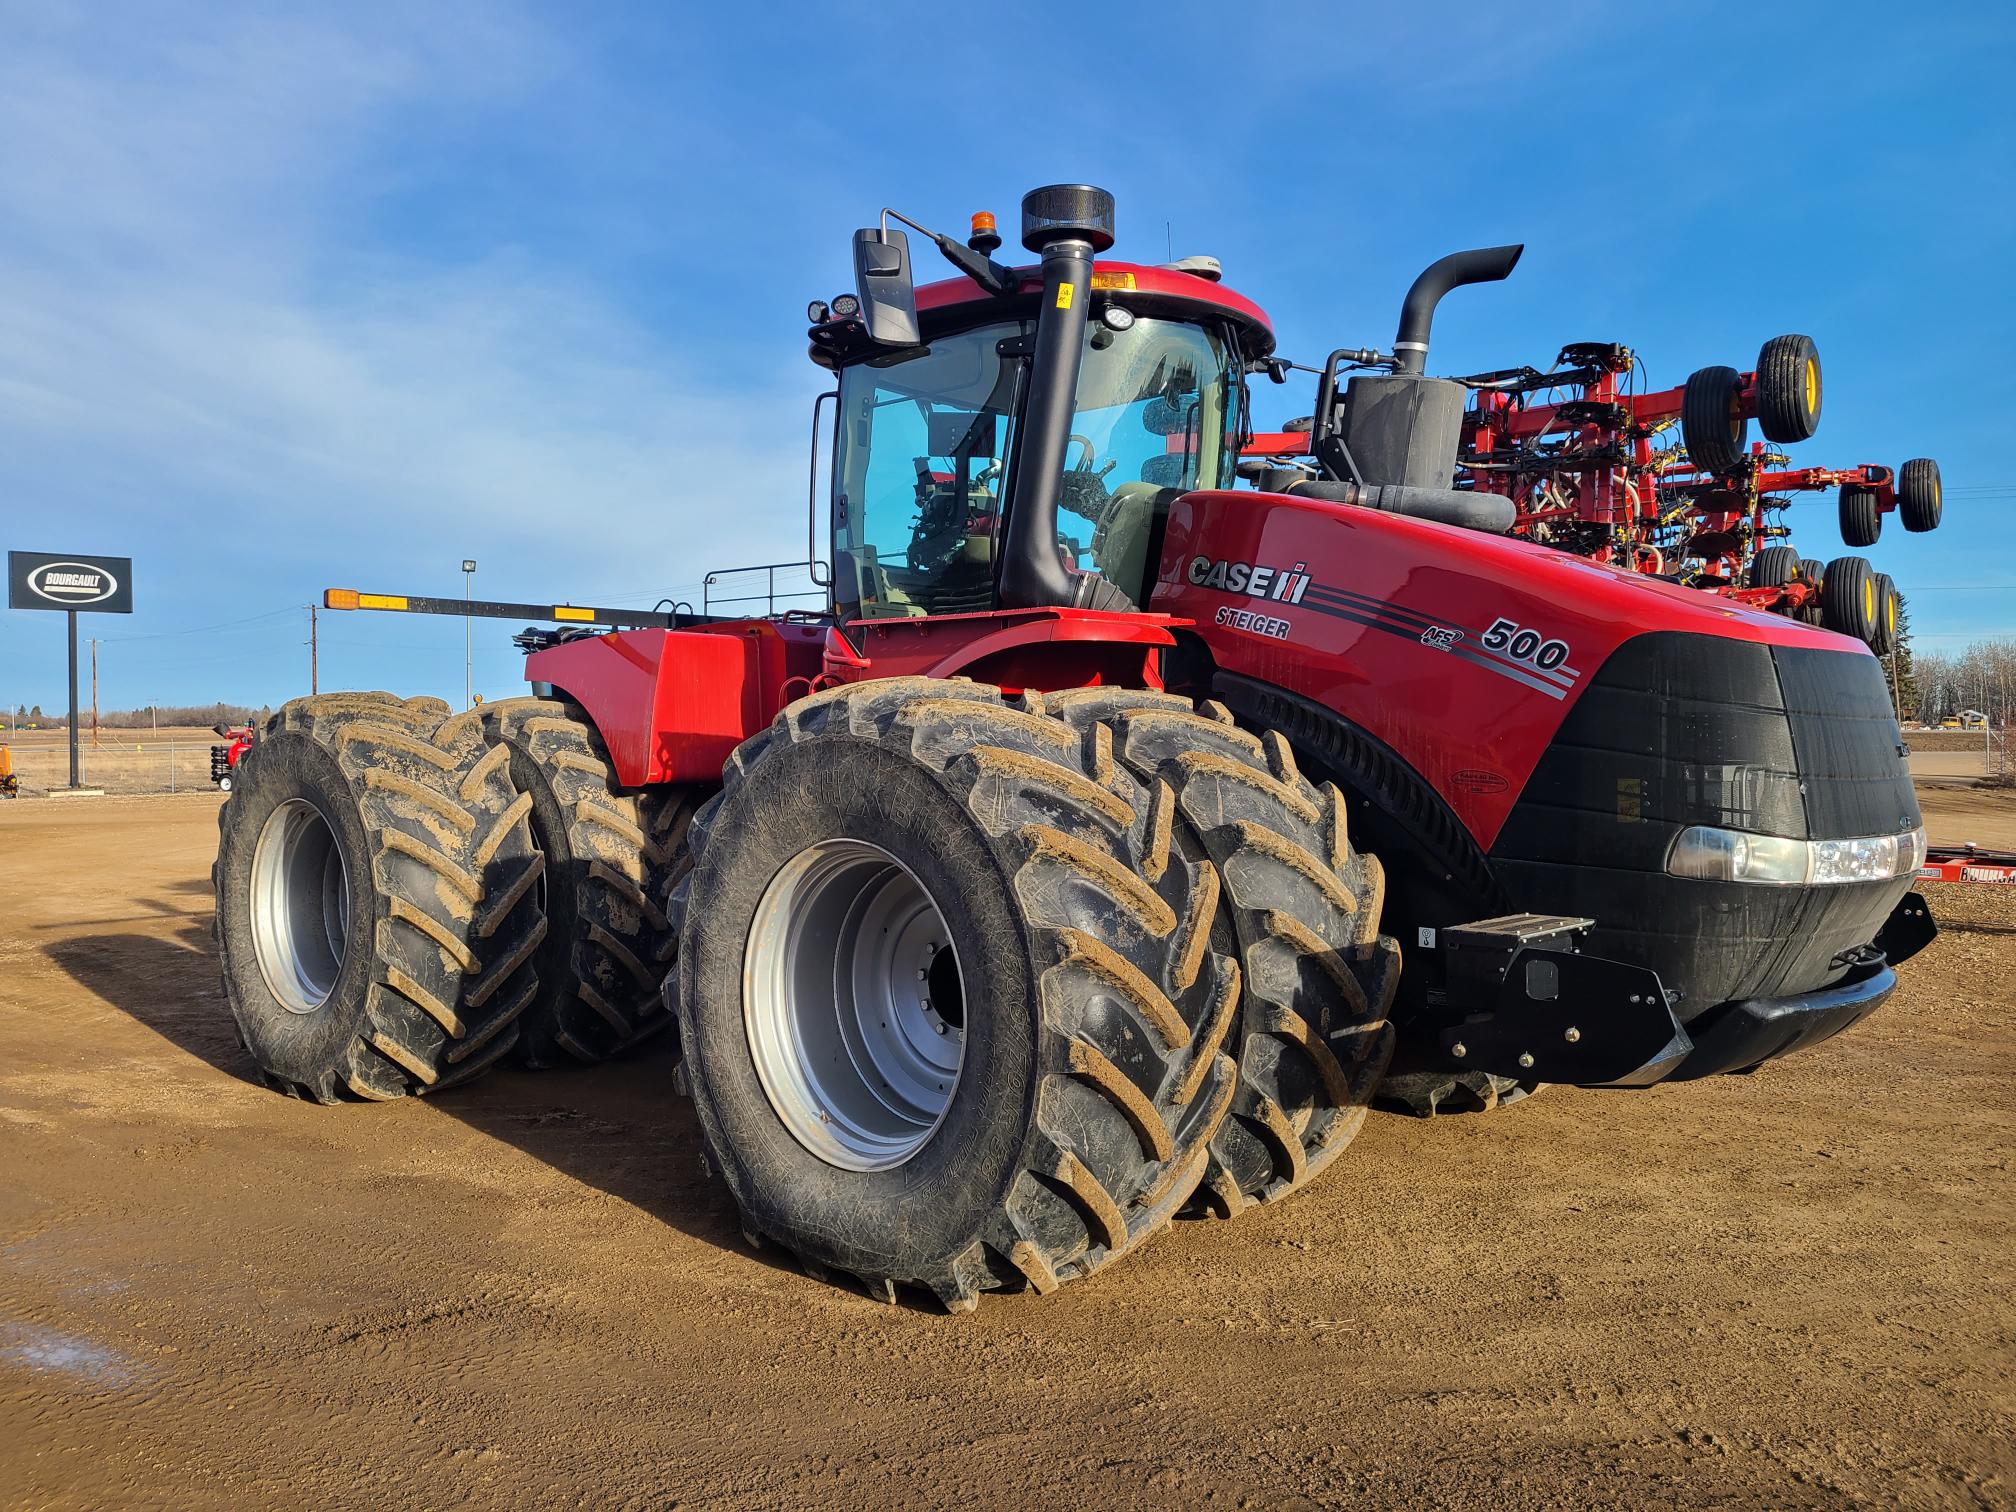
<point x="1111" y="837"/>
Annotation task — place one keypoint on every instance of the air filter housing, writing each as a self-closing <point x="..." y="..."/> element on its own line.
<point x="1059" y="212"/>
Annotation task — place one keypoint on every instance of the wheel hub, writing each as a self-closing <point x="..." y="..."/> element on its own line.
<point x="300" y="911"/>
<point x="854" y="1005"/>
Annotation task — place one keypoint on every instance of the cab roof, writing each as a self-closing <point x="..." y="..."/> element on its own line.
<point x="1144" y="289"/>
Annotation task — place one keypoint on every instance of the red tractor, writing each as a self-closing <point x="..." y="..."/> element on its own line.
<point x="224" y="758"/>
<point x="1111" y="837"/>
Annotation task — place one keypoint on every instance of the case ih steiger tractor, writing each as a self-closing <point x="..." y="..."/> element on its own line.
<point x="1112" y="835"/>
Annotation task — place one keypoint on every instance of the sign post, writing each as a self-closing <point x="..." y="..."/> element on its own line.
<point x="73" y="585"/>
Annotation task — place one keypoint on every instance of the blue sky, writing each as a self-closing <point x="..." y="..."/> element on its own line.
<point x="295" y="297"/>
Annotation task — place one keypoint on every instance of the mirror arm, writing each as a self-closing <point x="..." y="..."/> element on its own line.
<point x="983" y="270"/>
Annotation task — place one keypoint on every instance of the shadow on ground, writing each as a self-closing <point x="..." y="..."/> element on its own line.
<point x="618" y="1127"/>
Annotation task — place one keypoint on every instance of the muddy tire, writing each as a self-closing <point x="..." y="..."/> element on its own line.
<point x="376" y="908"/>
<point x="1437" y="1094"/>
<point x="610" y="858"/>
<point x="1712" y="424"/>
<point x="951" y="1013"/>
<point x="1300" y="909"/>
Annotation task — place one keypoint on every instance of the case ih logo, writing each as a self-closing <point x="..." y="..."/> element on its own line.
<point x="72" y="584"/>
<point x="1280" y="584"/>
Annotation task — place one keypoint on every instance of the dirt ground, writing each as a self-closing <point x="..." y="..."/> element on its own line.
<point x="1790" y="1289"/>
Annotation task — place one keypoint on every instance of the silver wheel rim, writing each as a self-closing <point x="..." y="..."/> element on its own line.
<point x="854" y="1005"/>
<point x="300" y="906"/>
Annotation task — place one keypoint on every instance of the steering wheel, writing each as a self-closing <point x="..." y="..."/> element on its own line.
<point x="1084" y="491"/>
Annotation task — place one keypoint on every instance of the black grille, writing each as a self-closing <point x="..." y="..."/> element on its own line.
<point x="1682" y="729"/>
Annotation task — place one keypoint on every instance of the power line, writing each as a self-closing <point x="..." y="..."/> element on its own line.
<point x="205" y="629"/>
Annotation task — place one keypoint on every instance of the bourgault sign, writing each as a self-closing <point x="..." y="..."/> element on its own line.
<point x="40" y="580"/>
<point x="73" y="585"/>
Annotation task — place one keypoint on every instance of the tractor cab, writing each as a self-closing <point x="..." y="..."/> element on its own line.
<point x="1012" y="437"/>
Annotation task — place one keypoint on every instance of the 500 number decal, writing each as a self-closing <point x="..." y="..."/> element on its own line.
<point x="1509" y="638"/>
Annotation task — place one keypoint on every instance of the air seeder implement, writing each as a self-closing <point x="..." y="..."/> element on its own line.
<point x="1112" y="837"/>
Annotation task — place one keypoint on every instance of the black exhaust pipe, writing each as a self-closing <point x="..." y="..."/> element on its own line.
<point x="1067" y="224"/>
<point x="1417" y="310"/>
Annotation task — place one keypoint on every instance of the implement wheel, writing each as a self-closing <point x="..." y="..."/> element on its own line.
<point x="950" y="1006"/>
<point x="1299" y="906"/>
<point x="1848" y="602"/>
<point x="376" y="908"/>
<point x="1712" y="424"/>
<point x="1884" y="638"/>
<point x="1861" y="515"/>
<point x="1788" y="389"/>
<point x="1920" y="499"/>
<point x="610" y="859"/>
<point x="1773" y="567"/>
<point x="1813" y="573"/>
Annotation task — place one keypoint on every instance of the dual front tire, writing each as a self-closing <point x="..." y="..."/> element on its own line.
<point x="1123" y="924"/>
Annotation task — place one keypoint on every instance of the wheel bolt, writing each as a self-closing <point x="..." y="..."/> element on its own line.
<point x="1525" y="1060"/>
<point x="1459" y="1050"/>
<point x="1573" y="1036"/>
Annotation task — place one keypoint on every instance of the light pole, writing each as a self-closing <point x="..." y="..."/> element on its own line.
<point x="468" y="685"/>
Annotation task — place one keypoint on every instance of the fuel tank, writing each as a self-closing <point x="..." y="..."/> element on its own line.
<point x="1519" y="730"/>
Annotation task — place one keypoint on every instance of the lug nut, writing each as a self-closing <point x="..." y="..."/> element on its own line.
<point x="1573" y="1036"/>
<point x="1458" y="1050"/>
<point x="1525" y="1060"/>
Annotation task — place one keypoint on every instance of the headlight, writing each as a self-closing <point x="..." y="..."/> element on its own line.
<point x="1720" y="855"/>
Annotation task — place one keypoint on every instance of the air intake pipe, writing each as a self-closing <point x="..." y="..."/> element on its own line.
<point x="1067" y="224"/>
<point x="1417" y="310"/>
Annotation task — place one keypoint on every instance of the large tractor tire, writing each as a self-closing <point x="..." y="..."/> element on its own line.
<point x="1848" y="601"/>
<point x="1788" y="389"/>
<point x="950" y="1007"/>
<point x="1712" y="424"/>
<point x="610" y="858"/>
<point x="376" y="886"/>
<point x="1300" y="907"/>
<point x="1432" y="1093"/>
<point x="1920" y="498"/>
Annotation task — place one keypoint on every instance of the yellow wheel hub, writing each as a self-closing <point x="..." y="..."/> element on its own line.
<point x="1812" y="385"/>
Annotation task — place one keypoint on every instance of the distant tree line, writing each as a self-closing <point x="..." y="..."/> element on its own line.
<point x="201" y="715"/>
<point x="1982" y="677"/>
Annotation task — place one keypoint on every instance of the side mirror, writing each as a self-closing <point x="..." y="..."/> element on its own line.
<point x="882" y="279"/>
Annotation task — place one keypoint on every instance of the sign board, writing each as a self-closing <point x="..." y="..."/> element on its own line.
<point x="97" y="585"/>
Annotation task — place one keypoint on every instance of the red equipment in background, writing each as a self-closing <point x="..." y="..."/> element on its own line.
<point x="224" y="758"/>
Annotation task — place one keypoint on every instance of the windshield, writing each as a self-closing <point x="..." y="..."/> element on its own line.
<point x="925" y="441"/>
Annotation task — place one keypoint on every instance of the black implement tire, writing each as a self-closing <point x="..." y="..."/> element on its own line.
<point x="1883" y="640"/>
<point x="610" y="856"/>
<point x="1302" y="910"/>
<point x="1076" y="1117"/>
<point x="1712" y="425"/>
<point x="1861" y="515"/>
<point x="1920" y="498"/>
<point x="1848" y="602"/>
<point x="1788" y="389"/>
<point x="1773" y="567"/>
<point x="1813" y="572"/>
<point x="1426" y="1093"/>
<point x="376" y="908"/>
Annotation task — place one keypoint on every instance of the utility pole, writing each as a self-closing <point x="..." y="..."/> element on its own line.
<point x="468" y="683"/>
<point x="314" y="654"/>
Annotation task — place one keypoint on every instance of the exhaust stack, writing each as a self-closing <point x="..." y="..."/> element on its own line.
<point x="1417" y="310"/>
